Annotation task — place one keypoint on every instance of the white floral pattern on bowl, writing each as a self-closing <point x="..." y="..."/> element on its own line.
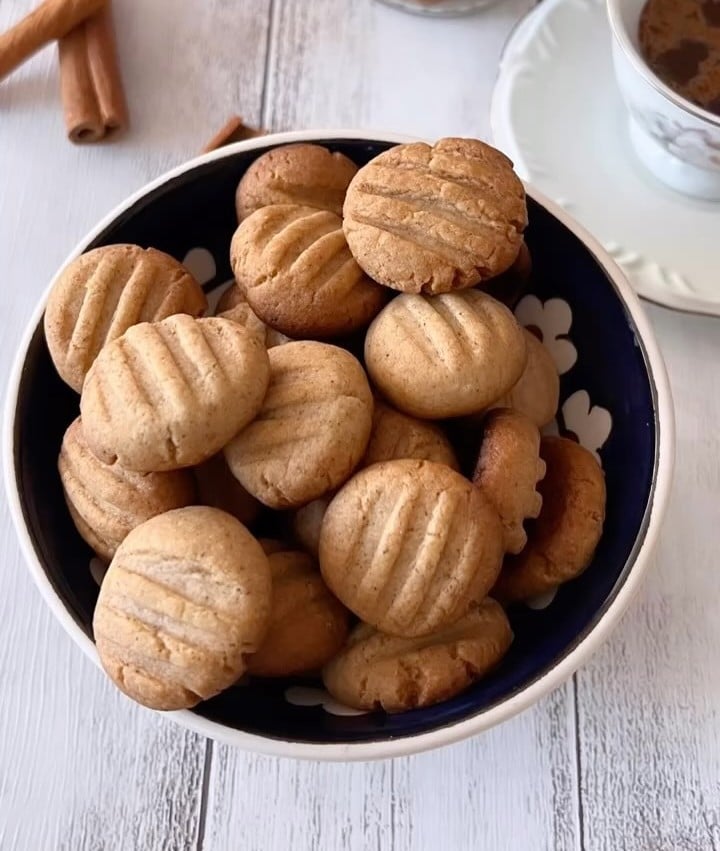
<point x="552" y="319"/>
<point x="312" y="696"/>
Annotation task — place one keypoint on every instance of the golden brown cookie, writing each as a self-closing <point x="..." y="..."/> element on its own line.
<point x="509" y="286"/>
<point x="537" y="392"/>
<point x="424" y="219"/>
<point x="308" y="626"/>
<point x="312" y="429"/>
<point x="171" y="394"/>
<point x="184" y="602"/>
<point x="307" y="521"/>
<point x="106" y="502"/>
<point x="377" y="671"/>
<point x="100" y="294"/>
<point x="409" y="546"/>
<point x="298" y="275"/>
<point x="233" y="306"/>
<point x="562" y="541"/>
<point x="218" y="488"/>
<point x="395" y="435"/>
<point x="508" y="470"/>
<point x="295" y="174"/>
<point x="444" y="356"/>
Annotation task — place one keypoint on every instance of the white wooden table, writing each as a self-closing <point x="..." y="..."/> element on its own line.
<point x="625" y="756"/>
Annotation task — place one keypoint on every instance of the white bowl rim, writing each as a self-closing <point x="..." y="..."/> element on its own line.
<point x="485" y="719"/>
<point x="640" y="65"/>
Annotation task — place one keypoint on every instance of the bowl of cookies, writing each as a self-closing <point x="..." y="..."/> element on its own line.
<point x="338" y="447"/>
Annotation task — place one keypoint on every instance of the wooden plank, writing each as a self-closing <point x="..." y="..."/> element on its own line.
<point x="649" y="703"/>
<point x="361" y="64"/>
<point x="337" y="64"/>
<point x="81" y="767"/>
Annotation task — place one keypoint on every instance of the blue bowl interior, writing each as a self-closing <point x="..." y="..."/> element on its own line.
<point x="196" y="209"/>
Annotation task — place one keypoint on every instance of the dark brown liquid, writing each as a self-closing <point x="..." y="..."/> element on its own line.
<point x="680" y="41"/>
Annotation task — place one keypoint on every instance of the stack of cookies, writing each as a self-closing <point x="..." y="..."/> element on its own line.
<point x="363" y="397"/>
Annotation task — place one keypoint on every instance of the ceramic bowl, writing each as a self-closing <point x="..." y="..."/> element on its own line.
<point x="615" y="400"/>
<point x="676" y="139"/>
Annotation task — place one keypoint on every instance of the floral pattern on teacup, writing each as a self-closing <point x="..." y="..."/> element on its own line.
<point x="694" y="145"/>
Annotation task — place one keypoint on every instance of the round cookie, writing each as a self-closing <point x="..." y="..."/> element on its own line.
<point x="171" y="394"/>
<point x="508" y="470"/>
<point x="307" y="522"/>
<point x="409" y="546"/>
<point x="308" y="626"/>
<point x="395" y="435"/>
<point x="424" y="219"/>
<point x="537" y="392"/>
<point x="444" y="356"/>
<point x="295" y="174"/>
<point x="562" y="541"/>
<point x="233" y="306"/>
<point x="100" y="294"/>
<point x="509" y="286"/>
<point x="185" y="600"/>
<point x="218" y="488"/>
<point x="298" y="275"/>
<point x="312" y="429"/>
<point x="377" y="671"/>
<point x="106" y="501"/>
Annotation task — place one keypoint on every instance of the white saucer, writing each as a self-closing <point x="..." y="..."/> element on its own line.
<point x="558" y="114"/>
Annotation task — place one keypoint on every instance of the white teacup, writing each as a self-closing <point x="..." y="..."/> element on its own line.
<point x="677" y="140"/>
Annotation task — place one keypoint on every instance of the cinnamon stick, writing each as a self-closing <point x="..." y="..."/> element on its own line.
<point x="50" y="21"/>
<point x="234" y="130"/>
<point x="90" y="83"/>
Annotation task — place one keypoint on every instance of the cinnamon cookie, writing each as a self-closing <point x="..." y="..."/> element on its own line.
<point x="312" y="429"/>
<point x="298" y="275"/>
<point x="537" y="392"/>
<point x="409" y="546"/>
<point x="562" y="541"/>
<point x="106" y="501"/>
<point x="508" y="470"/>
<point x="435" y="219"/>
<point x="100" y="294"/>
<point x="171" y="394"/>
<point x="233" y="306"/>
<point x="218" y="488"/>
<point x="308" y="626"/>
<point x="377" y="671"/>
<point x="444" y="356"/>
<point x="295" y="174"/>
<point x="306" y="524"/>
<point x="395" y="435"/>
<point x="184" y="602"/>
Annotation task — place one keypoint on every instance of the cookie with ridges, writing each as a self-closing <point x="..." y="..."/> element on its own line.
<point x="295" y="174"/>
<point x="106" y="501"/>
<point x="562" y="541"/>
<point x="171" y="394"/>
<point x="409" y="546"/>
<point x="296" y="271"/>
<point x="185" y="601"/>
<point x="102" y="293"/>
<point x="233" y="306"/>
<point x="395" y="435"/>
<point x="432" y="219"/>
<point x="312" y="429"/>
<point x="377" y="671"/>
<point x="308" y="626"/>
<point x="508" y="470"/>
<point x="537" y="392"/>
<point x="444" y="356"/>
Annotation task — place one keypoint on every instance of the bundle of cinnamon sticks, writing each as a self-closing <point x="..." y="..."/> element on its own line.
<point x="90" y="83"/>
